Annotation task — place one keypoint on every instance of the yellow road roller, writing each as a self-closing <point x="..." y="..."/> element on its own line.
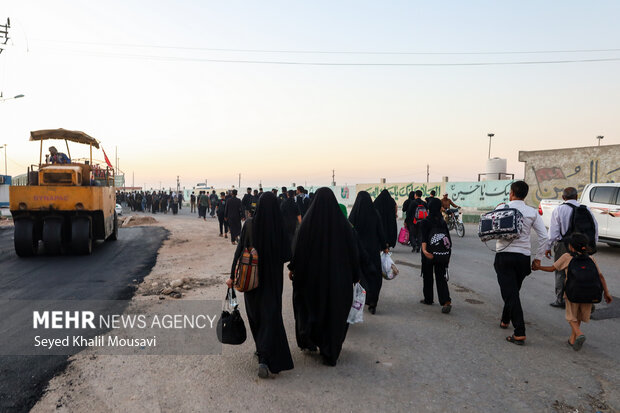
<point x="66" y="204"/>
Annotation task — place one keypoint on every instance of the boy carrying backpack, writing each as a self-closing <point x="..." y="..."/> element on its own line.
<point x="417" y="210"/>
<point x="436" y="251"/>
<point x="584" y="285"/>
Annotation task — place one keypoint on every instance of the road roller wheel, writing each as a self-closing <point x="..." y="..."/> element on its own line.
<point x="81" y="239"/>
<point x="26" y="245"/>
<point x="114" y="235"/>
<point x="52" y="236"/>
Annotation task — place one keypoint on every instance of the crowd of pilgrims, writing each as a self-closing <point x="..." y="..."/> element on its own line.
<point x="327" y="253"/>
<point x="154" y="202"/>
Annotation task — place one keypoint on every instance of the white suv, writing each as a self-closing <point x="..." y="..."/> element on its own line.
<point x="604" y="202"/>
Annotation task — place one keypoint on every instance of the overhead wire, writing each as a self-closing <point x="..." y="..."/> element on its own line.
<point x="289" y="51"/>
<point x="318" y="63"/>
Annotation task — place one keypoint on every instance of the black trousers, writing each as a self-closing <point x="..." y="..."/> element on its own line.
<point x="428" y="266"/>
<point x="414" y="236"/>
<point x="223" y="225"/>
<point x="511" y="269"/>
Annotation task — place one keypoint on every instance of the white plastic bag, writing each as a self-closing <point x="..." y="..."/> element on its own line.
<point x="356" y="314"/>
<point x="388" y="268"/>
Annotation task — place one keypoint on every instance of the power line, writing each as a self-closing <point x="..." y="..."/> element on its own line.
<point x="216" y="49"/>
<point x="299" y="63"/>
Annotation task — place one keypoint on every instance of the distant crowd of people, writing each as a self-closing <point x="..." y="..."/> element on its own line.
<point x="154" y="202"/>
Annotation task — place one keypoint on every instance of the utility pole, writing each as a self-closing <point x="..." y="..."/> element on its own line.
<point x="427" y="172"/>
<point x="239" y="187"/>
<point x="600" y="137"/>
<point x="116" y="158"/>
<point x="178" y="184"/>
<point x="5" y="170"/>
<point x="333" y="177"/>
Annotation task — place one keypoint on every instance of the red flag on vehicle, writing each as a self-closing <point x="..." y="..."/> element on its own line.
<point x="106" y="158"/>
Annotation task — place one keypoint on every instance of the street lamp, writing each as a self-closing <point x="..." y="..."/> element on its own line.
<point x="600" y="137"/>
<point x="490" y="135"/>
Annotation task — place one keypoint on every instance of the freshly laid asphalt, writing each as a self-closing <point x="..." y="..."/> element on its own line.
<point x="110" y="273"/>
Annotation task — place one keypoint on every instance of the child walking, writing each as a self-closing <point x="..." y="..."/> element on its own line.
<point x="578" y="312"/>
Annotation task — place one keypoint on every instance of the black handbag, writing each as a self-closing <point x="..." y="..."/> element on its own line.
<point x="230" y="326"/>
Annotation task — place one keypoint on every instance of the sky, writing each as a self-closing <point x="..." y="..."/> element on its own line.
<point x="143" y="77"/>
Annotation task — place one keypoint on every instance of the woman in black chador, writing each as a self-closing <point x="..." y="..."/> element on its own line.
<point x="263" y="304"/>
<point x="324" y="267"/>
<point x="367" y="224"/>
<point x="387" y="208"/>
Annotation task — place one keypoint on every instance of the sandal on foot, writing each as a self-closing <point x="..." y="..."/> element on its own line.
<point x="513" y="340"/>
<point x="579" y="342"/>
<point x="504" y="326"/>
<point x="446" y="308"/>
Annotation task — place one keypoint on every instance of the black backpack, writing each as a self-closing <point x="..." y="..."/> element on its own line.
<point x="581" y="221"/>
<point x="439" y="244"/>
<point x="583" y="284"/>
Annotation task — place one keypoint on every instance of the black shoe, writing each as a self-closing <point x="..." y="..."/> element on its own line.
<point x="263" y="371"/>
<point x="558" y="305"/>
<point x="424" y="302"/>
<point x="372" y="309"/>
<point x="446" y="309"/>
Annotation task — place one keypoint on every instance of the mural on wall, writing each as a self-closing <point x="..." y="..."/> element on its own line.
<point x="549" y="182"/>
<point x="549" y="172"/>
<point x="483" y="195"/>
<point x="400" y="191"/>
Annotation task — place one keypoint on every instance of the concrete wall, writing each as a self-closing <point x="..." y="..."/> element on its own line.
<point x="549" y="172"/>
<point x="479" y="195"/>
<point x="400" y="191"/>
<point x="345" y="194"/>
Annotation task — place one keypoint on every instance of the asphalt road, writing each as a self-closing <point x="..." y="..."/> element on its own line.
<point x="110" y="273"/>
<point x="472" y="361"/>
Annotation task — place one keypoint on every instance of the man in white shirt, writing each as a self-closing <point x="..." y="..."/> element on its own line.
<point x="559" y="229"/>
<point x="512" y="261"/>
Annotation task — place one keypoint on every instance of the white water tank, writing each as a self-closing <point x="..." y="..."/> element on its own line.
<point x="496" y="169"/>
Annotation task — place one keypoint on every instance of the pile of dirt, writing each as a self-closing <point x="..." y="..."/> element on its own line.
<point x="134" y="220"/>
<point x="176" y="288"/>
